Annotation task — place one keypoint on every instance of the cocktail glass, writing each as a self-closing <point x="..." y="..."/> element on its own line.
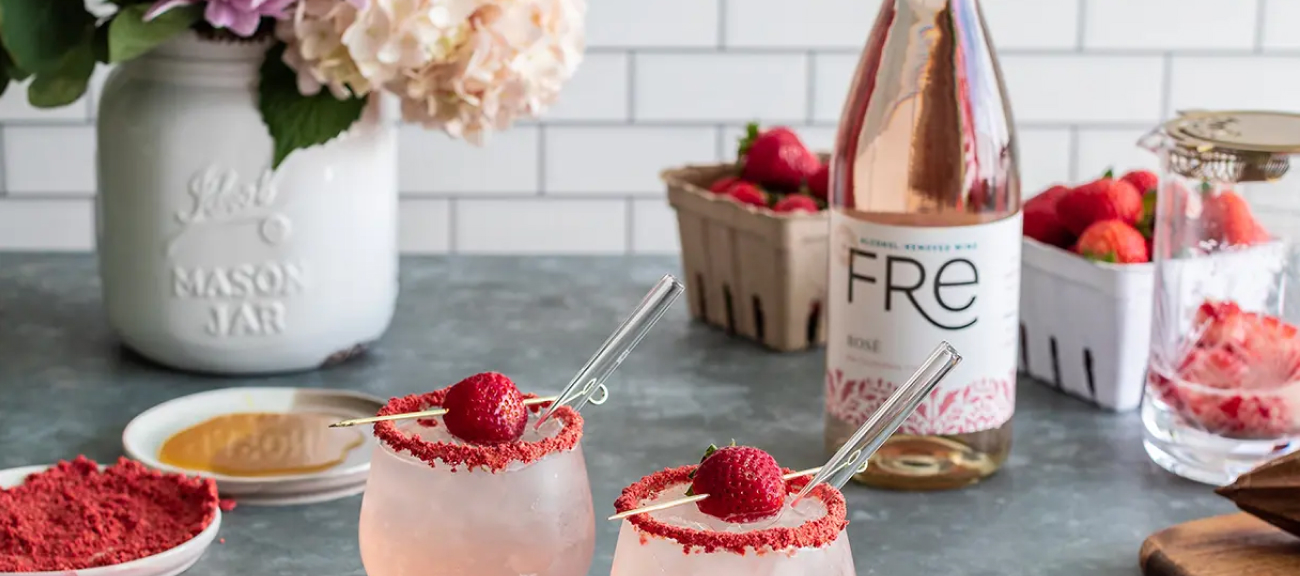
<point x="807" y="538"/>
<point x="1223" y="375"/>
<point x="436" y="506"/>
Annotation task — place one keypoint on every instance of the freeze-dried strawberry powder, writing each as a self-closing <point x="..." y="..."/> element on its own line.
<point x="812" y="534"/>
<point x="75" y="516"/>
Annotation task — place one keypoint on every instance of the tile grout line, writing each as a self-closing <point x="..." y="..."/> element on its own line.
<point x="811" y="112"/>
<point x="541" y="160"/>
<point x="1261" y="6"/>
<point x="630" y="222"/>
<point x="1082" y="29"/>
<point x="1166" y="86"/>
<point x="453" y="217"/>
<point x="722" y="24"/>
<point x="631" y="87"/>
<point x="4" y="168"/>
<point x="1074" y="154"/>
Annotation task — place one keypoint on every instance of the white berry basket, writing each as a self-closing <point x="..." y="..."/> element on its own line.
<point x="1085" y="327"/>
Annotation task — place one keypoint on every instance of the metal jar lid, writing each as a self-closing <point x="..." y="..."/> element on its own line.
<point x="1232" y="146"/>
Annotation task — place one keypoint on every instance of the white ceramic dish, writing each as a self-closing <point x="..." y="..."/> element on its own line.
<point x="145" y="435"/>
<point x="169" y="563"/>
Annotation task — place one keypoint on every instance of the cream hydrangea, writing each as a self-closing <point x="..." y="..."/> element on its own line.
<point x="465" y="66"/>
<point x="315" y="50"/>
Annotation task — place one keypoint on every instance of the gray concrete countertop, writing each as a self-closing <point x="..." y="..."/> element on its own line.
<point x="1077" y="497"/>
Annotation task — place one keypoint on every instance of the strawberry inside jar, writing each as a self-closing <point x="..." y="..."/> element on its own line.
<point x="1239" y="378"/>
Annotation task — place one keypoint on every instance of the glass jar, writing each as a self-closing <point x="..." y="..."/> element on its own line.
<point x="1223" y="379"/>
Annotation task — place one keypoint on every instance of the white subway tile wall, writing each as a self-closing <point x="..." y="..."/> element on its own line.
<point x="670" y="82"/>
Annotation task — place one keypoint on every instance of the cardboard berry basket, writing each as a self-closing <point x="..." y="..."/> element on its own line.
<point x="752" y="272"/>
<point x="1085" y="327"/>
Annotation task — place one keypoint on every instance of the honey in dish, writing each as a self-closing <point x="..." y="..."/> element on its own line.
<point x="261" y="444"/>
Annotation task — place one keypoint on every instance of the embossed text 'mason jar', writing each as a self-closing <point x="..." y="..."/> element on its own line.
<point x="212" y="261"/>
<point x="1223" y="381"/>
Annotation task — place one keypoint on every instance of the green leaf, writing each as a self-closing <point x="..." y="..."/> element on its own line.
<point x="1110" y="174"/>
<point x="38" y="34"/>
<point x="99" y="44"/>
<point x="746" y="141"/>
<point x="1147" y="223"/>
<point x="296" y="121"/>
<point x="130" y="36"/>
<point x="1106" y="257"/>
<point x="66" y="83"/>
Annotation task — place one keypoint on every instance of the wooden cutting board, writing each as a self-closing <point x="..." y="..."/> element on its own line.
<point x="1231" y="545"/>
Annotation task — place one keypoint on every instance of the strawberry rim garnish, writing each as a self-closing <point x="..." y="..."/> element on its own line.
<point x="494" y="458"/>
<point x="815" y="533"/>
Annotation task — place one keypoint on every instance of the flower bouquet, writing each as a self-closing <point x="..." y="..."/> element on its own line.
<point x="464" y="66"/>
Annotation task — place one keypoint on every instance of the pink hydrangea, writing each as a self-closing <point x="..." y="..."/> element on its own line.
<point x="241" y="17"/>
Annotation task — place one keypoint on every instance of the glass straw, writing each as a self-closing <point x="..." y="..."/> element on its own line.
<point x="590" y="381"/>
<point x="851" y="457"/>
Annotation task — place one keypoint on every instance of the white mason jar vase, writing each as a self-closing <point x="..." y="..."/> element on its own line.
<point x="212" y="261"/>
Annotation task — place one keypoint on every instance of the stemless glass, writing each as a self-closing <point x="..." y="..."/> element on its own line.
<point x="1223" y="379"/>
<point x="807" y="538"/>
<point x="435" y="506"/>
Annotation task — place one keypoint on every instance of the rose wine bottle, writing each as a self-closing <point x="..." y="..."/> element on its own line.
<point x="925" y="245"/>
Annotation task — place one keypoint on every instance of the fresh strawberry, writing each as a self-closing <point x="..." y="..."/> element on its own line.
<point x="795" y="203"/>
<point x="1104" y="199"/>
<point x="1113" y="241"/>
<point x="819" y="184"/>
<point x="1041" y="222"/>
<point x="744" y="484"/>
<point x="723" y="185"/>
<point x="1144" y="181"/>
<point x="747" y="193"/>
<point x="485" y="408"/>
<point x="1228" y="220"/>
<point x="776" y="158"/>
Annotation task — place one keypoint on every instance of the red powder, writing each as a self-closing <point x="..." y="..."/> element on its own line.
<point x="75" y="516"/>
<point x="227" y="505"/>
<point x="494" y="458"/>
<point x="812" y="534"/>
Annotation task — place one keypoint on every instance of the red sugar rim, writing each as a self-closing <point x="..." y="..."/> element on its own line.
<point x="812" y="534"/>
<point x="493" y="458"/>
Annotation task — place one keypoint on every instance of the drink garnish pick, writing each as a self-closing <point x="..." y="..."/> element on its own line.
<point x="421" y="414"/>
<point x="590" y="381"/>
<point x="589" y="385"/>
<point x="852" y="458"/>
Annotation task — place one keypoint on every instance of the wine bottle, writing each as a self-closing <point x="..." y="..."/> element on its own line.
<point x="925" y="245"/>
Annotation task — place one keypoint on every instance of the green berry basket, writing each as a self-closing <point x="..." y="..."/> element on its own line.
<point x="748" y="270"/>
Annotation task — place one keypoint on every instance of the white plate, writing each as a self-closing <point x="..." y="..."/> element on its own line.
<point x="145" y="435"/>
<point x="168" y="563"/>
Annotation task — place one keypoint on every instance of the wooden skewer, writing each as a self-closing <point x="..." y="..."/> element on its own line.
<point x="698" y="497"/>
<point x="422" y="414"/>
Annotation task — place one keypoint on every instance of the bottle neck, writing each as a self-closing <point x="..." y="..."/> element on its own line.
<point x="192" y="60"/>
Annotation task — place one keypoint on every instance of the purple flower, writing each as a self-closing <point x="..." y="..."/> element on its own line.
<point x="239" y="16"/>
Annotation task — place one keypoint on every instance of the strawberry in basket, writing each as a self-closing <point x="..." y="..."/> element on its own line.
<point x="776" y="171"/>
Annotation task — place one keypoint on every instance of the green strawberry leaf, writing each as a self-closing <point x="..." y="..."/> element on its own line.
<point x="296" y="121"/>
<point x="38" y="34"/>
<point x="1206" y="187"/>
<point x="1104" y="257"/>
<point x="747" y="141"/>
<point x="129" y="36"/>
<point x="1110" y="173"/>
<point x="1147" y="223"/>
